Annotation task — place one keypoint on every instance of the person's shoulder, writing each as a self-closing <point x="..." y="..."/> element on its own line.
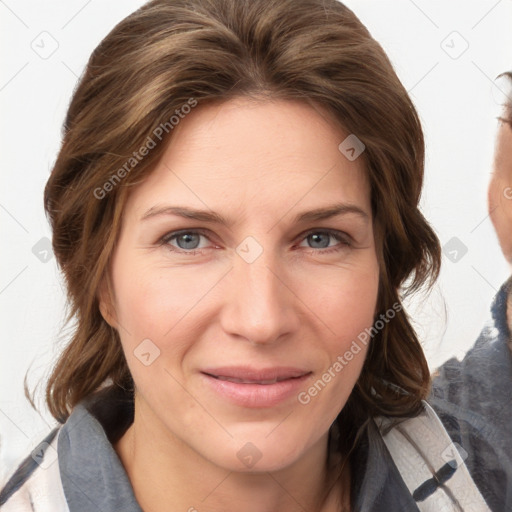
<point x="36" y="485"/>
<point x="64" y="465"/>
<point x="471" y="394"/>
<point x="428" y="461"/>
<point x="486" y="365"/>
<point x="473" y="398"/>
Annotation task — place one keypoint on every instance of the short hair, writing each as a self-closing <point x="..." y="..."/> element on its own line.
<point x="170" y="52"/>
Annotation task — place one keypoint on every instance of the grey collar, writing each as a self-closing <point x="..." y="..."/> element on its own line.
<point x="94" y="478"/>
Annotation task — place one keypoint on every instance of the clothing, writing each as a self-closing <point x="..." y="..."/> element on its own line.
<point x="89" y="476"/>
<point x="473" y="398"/>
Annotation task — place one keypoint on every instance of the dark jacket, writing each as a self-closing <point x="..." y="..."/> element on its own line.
<point x="473" y="398"/>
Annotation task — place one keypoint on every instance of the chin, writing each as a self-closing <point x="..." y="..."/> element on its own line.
<point x="257" y="451"/>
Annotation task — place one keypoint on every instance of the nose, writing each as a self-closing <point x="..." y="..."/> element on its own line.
<point x="260" y="305"/>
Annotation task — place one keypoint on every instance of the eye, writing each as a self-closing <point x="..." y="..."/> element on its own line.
<point x="320" y="239"/>
<point x="187" y="241"/>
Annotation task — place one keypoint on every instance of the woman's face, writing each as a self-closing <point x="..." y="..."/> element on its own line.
<point x="239" y="333"/>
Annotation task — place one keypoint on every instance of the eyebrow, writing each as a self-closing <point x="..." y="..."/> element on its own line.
<point x="317" y="214"/>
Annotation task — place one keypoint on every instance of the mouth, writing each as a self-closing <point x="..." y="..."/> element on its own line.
<point x="250" y="387"/>
<point x="246" y="375"/>
<point x="248" y="381"/>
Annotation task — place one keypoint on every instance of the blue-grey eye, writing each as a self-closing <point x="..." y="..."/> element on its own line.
<point x="317" y="242"/>
<point x="188" y="240"/>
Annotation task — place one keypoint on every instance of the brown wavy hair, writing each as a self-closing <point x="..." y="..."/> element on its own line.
<point x="170" y="51"/>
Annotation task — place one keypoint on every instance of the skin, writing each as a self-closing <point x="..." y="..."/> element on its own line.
<point x="500" y="197"/>
<point x="258" y="164"/>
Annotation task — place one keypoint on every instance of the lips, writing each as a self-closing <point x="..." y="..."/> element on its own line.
<point x="255" y="388"/>
<point x="246" y="375"/>
<point x="248" y="381"/>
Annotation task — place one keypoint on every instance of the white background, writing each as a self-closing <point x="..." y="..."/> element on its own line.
<point x="457" y="99"/>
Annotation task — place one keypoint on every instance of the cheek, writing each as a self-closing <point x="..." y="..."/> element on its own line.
<point x="500" y="210"/>
<point x="346" y="301"/>
<point x="495" y="191"/>
<point x="347" y="307"/>
<point x="147" y="307"/>
<point x="351" y="315"/>
<point x="142" y="299"/>
<point x="159" y="311"/>
<point x="152" y="300"/>
<point x="151" y="308"/>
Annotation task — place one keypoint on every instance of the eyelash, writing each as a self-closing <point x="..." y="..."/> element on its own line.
<point x="343" y="238"/>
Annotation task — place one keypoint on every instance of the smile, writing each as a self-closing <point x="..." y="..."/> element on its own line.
<point x="255" y="388"/>
<point x="246" y="381"/>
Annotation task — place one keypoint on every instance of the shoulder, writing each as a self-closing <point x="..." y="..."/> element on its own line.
<point x="473" y="398"/>
<point x="481" y="382"/>
<point x="429" y="462"/>
<point x="36" y="484"/>
<point x="471" y="393"/>
<point x="76" y="462"/>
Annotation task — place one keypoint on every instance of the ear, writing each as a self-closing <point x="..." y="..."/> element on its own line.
<point x="105" y="299"/>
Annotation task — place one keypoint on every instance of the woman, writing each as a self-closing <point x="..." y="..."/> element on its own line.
<point x="221" y="359"/>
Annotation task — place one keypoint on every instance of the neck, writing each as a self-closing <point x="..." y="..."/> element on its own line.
<point x="193" y="483"/>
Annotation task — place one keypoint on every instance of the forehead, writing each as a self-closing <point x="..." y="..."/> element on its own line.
<point x="257" y="154"/>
